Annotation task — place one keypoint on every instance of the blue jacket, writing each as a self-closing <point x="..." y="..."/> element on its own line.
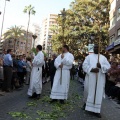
<point x="20" y="66"/>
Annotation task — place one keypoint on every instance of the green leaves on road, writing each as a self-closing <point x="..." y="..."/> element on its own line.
<point x="19" y="115"/>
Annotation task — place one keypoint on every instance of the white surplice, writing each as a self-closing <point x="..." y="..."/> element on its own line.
<point x="36" y="74"/>
<point x="60" y="91"/>
<point x="90" y="82"/>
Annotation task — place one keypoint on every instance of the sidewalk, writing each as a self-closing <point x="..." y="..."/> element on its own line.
<point x="17" y="106"/>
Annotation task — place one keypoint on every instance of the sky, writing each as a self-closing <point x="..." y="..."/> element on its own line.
<point x="14" y="11"/>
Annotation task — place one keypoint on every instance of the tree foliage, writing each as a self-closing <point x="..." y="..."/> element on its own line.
<point x="14" y="33"/>
<point x="30" y="11"/>
<point x="83" y="19"/>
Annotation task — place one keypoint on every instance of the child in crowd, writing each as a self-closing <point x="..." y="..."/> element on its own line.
<point x="28" y="70"/>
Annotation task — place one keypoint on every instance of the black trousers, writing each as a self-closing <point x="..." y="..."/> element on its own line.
<point x="52" y="79"/>
<point x="114" y="92"/>
<point x="7" y="78"/>
<point x="118" y="96"/>
<point x="21" y="77"/>
<point x="108" y="86"/>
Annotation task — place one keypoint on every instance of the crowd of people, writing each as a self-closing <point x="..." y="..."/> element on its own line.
<point x="15" y="71"/>
<point x="113" y="80"/>
<point x="92" y="73"/>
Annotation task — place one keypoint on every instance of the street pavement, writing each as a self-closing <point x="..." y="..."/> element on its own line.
<point x="17" y="106"/>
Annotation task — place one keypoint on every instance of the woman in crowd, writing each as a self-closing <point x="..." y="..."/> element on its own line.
<point x="112" y="75"/>
<point x="28" y="69"/>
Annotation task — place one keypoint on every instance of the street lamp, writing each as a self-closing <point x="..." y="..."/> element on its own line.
<point x="34" y="38"/>
<point x="3" y="18"/>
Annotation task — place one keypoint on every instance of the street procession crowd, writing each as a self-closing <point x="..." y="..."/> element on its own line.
<point x="98" y="75"/>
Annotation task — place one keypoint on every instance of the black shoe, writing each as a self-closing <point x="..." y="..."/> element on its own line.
<point x="84" y="106"/>
<point x="118" y="102"/>
<point x="38" y="96"/>
<point x="8" y="90"/>
<point x="53" y="100"/>
<point x="62" y="101"/>
<point x="98" y="115"/>
<point x="33" y="96"/>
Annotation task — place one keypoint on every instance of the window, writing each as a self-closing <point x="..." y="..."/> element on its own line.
<point x="118" y="32"/>
<point x="118" y="13"/>
<point x="112" y="21"/>
<point x="112" y="39"/>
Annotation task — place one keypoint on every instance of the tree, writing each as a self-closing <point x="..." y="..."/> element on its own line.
<point x="14" y="33"/>
<point x="30" y="11"/>
<point x="83" y="19"/>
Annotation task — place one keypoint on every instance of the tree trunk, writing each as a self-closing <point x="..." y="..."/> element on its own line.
<point x="15" y="44"/>
<point x="27" y="33"/>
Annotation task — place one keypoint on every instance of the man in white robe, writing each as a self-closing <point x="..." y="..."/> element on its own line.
<point x="63" y="64"/>
<point x="94" y="81"/>
<point x="36" y="74"/>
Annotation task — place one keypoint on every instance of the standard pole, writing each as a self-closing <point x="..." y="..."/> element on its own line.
<point x="97" y="74"/>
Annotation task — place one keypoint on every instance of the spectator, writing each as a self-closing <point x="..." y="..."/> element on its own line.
<point x="28" y="69"/>
<point x="73" y="72"/>
<point x="24" y="69"/>
<point x="21" y="67"/>
<point x="1" y="72"/>
<point x="112" y="75"/>
<point x="15" y="79"/>
<point x="45" y="71"/>
<point x="8" y="64"/>
<point x="52" y="69"/>
<point x="81" y="74"/>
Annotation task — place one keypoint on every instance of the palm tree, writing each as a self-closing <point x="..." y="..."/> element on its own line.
<point x="30" y="11"/>
<point x="14" y="33"/>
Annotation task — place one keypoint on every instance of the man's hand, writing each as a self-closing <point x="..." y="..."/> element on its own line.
<point x="98" y="65"/>
<point x="61" y="66"/>
<point x="95" y="70"/>
<point x="62" y="56"/>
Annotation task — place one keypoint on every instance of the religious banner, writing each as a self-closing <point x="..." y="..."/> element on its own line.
<point x="90" y="48"/>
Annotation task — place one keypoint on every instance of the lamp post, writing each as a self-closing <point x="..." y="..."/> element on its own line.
<point x="3" y="19"/>
<point x="34" y="38"/>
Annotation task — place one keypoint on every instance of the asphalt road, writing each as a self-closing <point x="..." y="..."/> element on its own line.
<point x="17" y="106"/>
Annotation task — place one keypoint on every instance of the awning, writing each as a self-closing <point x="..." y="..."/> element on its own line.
<point x="110" y="47"/>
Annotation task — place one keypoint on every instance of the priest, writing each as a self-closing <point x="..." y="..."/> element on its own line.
<point x="63" y="64"/>
<point x="35" y="87"/>
<point x="94" y="81"/>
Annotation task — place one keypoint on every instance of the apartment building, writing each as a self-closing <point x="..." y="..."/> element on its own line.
<point x="46" y="33"/>
<point x="114" y="30"/>
<point x="20" y="46"/>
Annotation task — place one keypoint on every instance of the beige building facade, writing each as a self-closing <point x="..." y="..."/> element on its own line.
<point x="46" y="33"/>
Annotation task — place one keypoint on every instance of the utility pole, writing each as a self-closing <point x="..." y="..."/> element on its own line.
<point x="3" y="19"/>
